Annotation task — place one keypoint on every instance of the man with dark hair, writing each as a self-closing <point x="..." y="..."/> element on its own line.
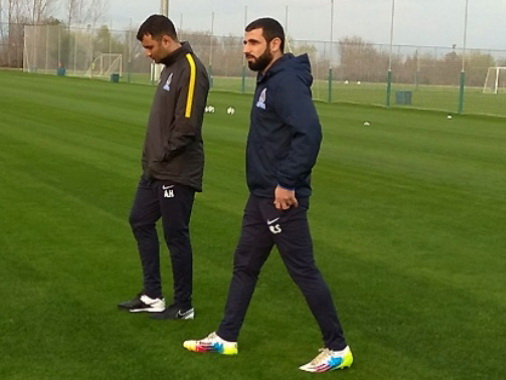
<point x="283" y="144"/>
<point x="172" y="164"/>
<point x="157" y="26"/>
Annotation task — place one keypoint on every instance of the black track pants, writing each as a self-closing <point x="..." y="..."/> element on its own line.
<point x="173" y="203"/>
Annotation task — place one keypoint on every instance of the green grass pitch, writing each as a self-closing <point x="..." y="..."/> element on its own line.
<point x="408" y="218"/>
<point x="423" y="97"/>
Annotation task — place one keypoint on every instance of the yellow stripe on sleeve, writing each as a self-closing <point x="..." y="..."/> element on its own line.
<point x="191" y="86"/>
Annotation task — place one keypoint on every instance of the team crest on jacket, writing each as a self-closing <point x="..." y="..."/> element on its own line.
<point x="166" y="86"/>
<point x="262" y="98"/>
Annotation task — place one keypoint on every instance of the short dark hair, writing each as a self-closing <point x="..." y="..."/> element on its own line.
<point x="271" y="29"/>
<point x="157" y="26"/>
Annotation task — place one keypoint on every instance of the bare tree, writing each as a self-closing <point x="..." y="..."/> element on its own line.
<point x="97" y="11"/>
<point x="79" y="12"/>
<point x="15" y="18"/>
<point x="68" y="12"/>
<point x="14" y="11"/>
<point x="39" y="10"/>
<point x="74" y="12"/>
<point x="28" y="11"/>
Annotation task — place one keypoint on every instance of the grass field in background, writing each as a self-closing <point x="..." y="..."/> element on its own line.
<point x="407" y="217"/>
<point x="441" y="98"/>
<point x="425" y="97"/>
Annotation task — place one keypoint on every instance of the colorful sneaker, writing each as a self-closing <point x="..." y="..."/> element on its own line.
<point x="211" y="343"/>
<point x="175" y="312"/>
<point x="328" y="360"/>
<point x="143" y="303"/>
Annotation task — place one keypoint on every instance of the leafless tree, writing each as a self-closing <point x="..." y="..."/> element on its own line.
<point x="14" y="11"/>
<point x="15" y="16"/>
<point x="38" y="10"/>
<point x="97" y="11"/>
<point x="27" y="11"/>
<point x="80" y="12"/>
<point x="74" y="12"/>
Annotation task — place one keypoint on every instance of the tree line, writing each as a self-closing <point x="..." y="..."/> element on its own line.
<point x="354" y="59"/>
<point x="364" y="61"/>
<point x="15" y="14"/>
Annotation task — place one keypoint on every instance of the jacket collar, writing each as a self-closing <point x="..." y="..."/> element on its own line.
<point x="178" y="53"/>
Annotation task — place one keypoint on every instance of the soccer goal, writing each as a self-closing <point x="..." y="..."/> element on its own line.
<point x="495" y="80"/>
<point x="105" y="65"/>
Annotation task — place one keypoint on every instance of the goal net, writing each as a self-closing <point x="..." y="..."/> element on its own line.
<point x="495" y="81"/>
<point x="105" y="65"/>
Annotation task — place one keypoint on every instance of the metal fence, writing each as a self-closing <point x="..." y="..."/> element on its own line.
<point x="350" y="70"/>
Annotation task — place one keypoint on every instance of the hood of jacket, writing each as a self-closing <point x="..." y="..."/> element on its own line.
<point x="296" y="64"/>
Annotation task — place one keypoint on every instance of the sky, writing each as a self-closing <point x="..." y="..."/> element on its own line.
<point x="416" y="22"/>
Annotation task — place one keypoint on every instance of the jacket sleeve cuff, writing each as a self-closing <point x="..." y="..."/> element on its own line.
<point x="286" y="187"/>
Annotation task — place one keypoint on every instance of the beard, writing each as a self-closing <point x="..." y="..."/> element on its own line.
<point x="260" y="63"/>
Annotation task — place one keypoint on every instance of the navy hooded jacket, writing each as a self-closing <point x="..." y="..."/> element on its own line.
<point x="285" y="133"/>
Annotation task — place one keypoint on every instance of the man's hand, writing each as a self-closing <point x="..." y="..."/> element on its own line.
<point x="284" y="199"/>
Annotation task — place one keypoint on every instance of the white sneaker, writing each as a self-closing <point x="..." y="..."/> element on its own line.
<point x="328" y="360"/>
<point x="145" y="304"/>
<point x="211" y="343"/>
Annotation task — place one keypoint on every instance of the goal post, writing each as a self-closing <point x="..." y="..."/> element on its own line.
<point x="106" y="64"/>
<point x="495" y="80"/>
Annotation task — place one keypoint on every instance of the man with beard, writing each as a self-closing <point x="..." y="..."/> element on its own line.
<point x="283" y="144"/>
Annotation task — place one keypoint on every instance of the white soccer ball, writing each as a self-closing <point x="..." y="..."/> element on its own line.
<point x="359" y="83"/>
<point x="449" y="117"/>
<point x="230" y="110"/>
<point x="366" y="123"/>
<point x="346" y="82"/>
<point x="209" y="109"/>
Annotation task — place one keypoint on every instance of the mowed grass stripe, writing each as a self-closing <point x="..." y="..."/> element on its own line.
<point x="411" y="246"/>
<point x="60" y="267"/>
<point x="466" y="152"/>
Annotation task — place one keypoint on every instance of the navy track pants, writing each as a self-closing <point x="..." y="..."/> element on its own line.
<point x="262" y="227"/>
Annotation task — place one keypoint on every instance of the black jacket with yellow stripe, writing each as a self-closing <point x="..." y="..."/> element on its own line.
<point x="173" y="148"/>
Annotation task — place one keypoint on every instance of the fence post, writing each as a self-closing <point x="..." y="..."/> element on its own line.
<point x="330" y="85"/>
<point x="389" y="87"/>
<point x="461" y="91"/>
<point x="210" y="73"/>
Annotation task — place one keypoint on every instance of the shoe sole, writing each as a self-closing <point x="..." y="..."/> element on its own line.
<point x="329" y="370"/>
<point x="340" y="367"/>
<point x="151" y="310"/>
<point x="178" y="317"/>
<point x="191" y="346"/>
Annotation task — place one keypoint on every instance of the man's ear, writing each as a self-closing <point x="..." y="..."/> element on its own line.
<point x="166" y="41"/>
<point x="275" y="44"/>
